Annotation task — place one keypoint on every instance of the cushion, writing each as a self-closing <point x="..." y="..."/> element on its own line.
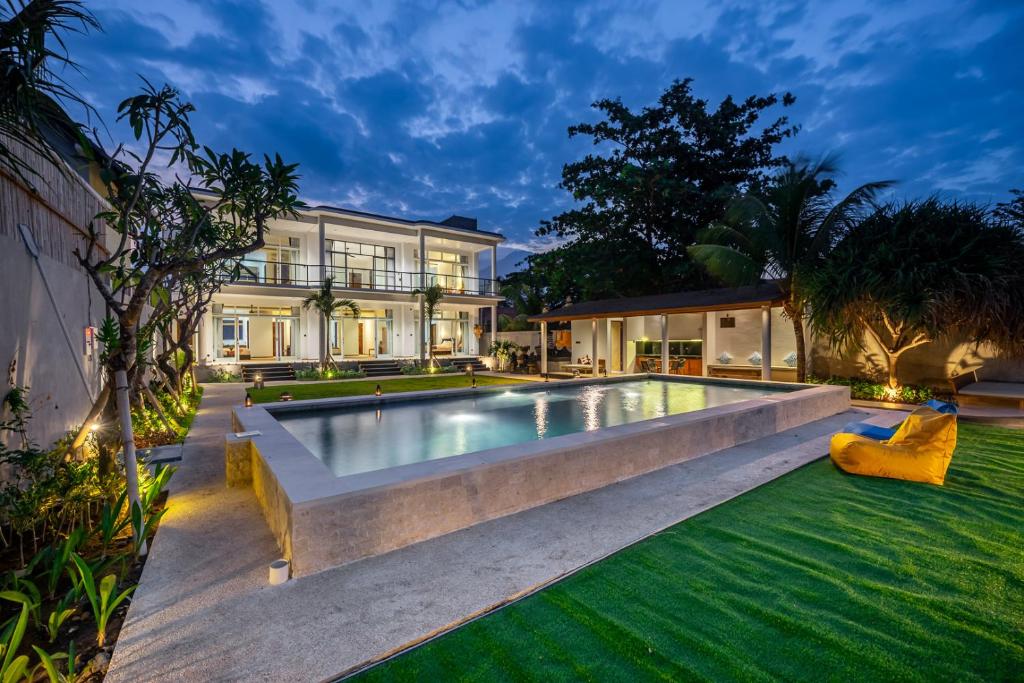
<point x="920" y="450"/>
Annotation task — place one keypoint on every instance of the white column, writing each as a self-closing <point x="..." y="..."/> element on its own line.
<point x="766" y="342"/>
<point x="494" y="269"/>
<point x="707" y="348"/>
<point x="544" y="349"/>
<point x="423" y="333"/>
<point x="664" y="344"/>
<point x="322" y="253"/>
<point x="494" y="324"/>
<point x="593" y="347"/>
<point x="322" y="275"/>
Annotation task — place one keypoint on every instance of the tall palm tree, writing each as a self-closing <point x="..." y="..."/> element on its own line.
<point x="432" y="296"/>
<point x="784" y="235"/>
<point x="32" y="91"/>
<point x="324" y="301"/>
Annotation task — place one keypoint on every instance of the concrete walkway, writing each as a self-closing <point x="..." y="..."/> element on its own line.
<point x="204" y="610"/>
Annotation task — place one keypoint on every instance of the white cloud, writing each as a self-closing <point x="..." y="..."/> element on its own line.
<point x="179" y="27"/>
<point x="192" y="80"/>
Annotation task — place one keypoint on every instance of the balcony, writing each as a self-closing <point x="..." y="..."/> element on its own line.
<point x="306" y="276"/>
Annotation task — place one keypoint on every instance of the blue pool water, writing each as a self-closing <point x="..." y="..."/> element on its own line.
<point x="365" y="438"/>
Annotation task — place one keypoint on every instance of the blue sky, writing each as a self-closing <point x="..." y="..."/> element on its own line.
<point x="424" y="109"/>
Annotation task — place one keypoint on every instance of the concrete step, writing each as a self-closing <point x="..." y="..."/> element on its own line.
<point x="270" y="372"/>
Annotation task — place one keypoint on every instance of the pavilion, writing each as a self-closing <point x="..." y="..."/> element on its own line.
<point x="737" y="332"/>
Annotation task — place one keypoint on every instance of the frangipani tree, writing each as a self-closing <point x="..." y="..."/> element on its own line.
<point x="329" y="306"/>
<point x="162" y="231"/>
<point x="784" y="234"/>
<point x="913" y="273"/>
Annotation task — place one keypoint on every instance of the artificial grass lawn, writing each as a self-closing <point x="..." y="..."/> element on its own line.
<point x="816" y="575"/>
<point x="366" y="387"/>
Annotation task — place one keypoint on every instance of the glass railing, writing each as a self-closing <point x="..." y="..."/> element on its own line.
<point x="276" y="273"/>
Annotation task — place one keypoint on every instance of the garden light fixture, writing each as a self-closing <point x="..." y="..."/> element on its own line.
<point x="378" y="391"/>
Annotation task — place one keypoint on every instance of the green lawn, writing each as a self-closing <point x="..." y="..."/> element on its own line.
<point x="816" y="576"/>
<point x="366" y="387"/>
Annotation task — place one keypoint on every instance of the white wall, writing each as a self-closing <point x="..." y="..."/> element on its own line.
<point x="31" y="338"/>
<point x="745" y="338"/>
<point x="581" y="340"/>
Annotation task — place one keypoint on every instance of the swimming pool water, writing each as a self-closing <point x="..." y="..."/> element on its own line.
<point x="370" y="437"/>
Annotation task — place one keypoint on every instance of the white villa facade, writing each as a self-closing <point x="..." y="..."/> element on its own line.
<point x="377" y="261"/>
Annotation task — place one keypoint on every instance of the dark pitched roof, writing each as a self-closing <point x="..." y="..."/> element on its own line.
<point x="461" y="222"/>
<point x="725" y="298"/>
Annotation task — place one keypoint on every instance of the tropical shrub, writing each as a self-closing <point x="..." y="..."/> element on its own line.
<point x="221" y="375"/>
<point x="915" y="272"/>
<point x="103" y="597"/>
<point x="502" y="350"/>
<point x="867" y="390"/>
<point x="328" y="373"/>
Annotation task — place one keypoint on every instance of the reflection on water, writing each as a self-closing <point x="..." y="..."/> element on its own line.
<point x="352" y="440"/>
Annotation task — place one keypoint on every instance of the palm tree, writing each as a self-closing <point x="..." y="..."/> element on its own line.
<point x="784" y="235"/>
<point x="324" y="301"/>
<point x="32" y="91"/>
<point x="432" y="296"/>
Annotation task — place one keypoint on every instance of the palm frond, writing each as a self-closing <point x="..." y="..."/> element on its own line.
<point x="846" y="213"/>
<point x="728" y="264"/>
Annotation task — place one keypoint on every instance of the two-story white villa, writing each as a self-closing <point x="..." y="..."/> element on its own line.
<point x="374" y="260"/>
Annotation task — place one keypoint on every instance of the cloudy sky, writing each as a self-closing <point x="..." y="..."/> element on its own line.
<point x="423" y="109"/>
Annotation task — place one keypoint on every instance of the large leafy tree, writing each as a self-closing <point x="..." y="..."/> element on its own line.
<point x="785" y="233"/>
<point x="916" y="272"/>
<point x="656" y="177"/>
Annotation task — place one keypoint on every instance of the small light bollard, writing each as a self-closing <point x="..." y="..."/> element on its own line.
<point x="278" y="572"/>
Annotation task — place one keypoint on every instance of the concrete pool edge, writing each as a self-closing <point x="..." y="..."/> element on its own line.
<point x="322" y="521"/>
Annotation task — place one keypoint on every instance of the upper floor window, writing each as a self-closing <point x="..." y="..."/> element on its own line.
<point x="356" y="264"/>
<point x="276" y="263"/>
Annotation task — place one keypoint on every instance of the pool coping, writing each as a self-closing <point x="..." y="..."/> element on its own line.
<point x="290" y="482"/>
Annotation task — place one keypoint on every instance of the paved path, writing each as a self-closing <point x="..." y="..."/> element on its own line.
<point x="204" y="611"/>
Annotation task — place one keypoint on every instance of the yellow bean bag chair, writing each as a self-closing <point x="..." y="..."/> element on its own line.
<point x="920" y="450"/>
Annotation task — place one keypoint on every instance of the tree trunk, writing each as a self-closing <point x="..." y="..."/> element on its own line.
<point x="801" y="351"/>
<point x="796" y="315"/>
<point x="97" y="409"/>
<point x="131" y="468"/>
<point x="155" y="402"/>
<point x="894" y="359"/>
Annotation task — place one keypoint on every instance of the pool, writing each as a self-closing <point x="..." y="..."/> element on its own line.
<point x="350" y="440"/>
<point x="341" y="479"/>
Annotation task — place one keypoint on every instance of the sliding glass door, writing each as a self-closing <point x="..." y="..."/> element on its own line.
<point x="255" y="333"/>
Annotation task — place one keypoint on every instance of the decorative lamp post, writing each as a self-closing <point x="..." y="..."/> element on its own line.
<point x="378" y="391"/>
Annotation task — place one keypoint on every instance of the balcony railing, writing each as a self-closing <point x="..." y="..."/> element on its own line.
<point x="275" y="273"/>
